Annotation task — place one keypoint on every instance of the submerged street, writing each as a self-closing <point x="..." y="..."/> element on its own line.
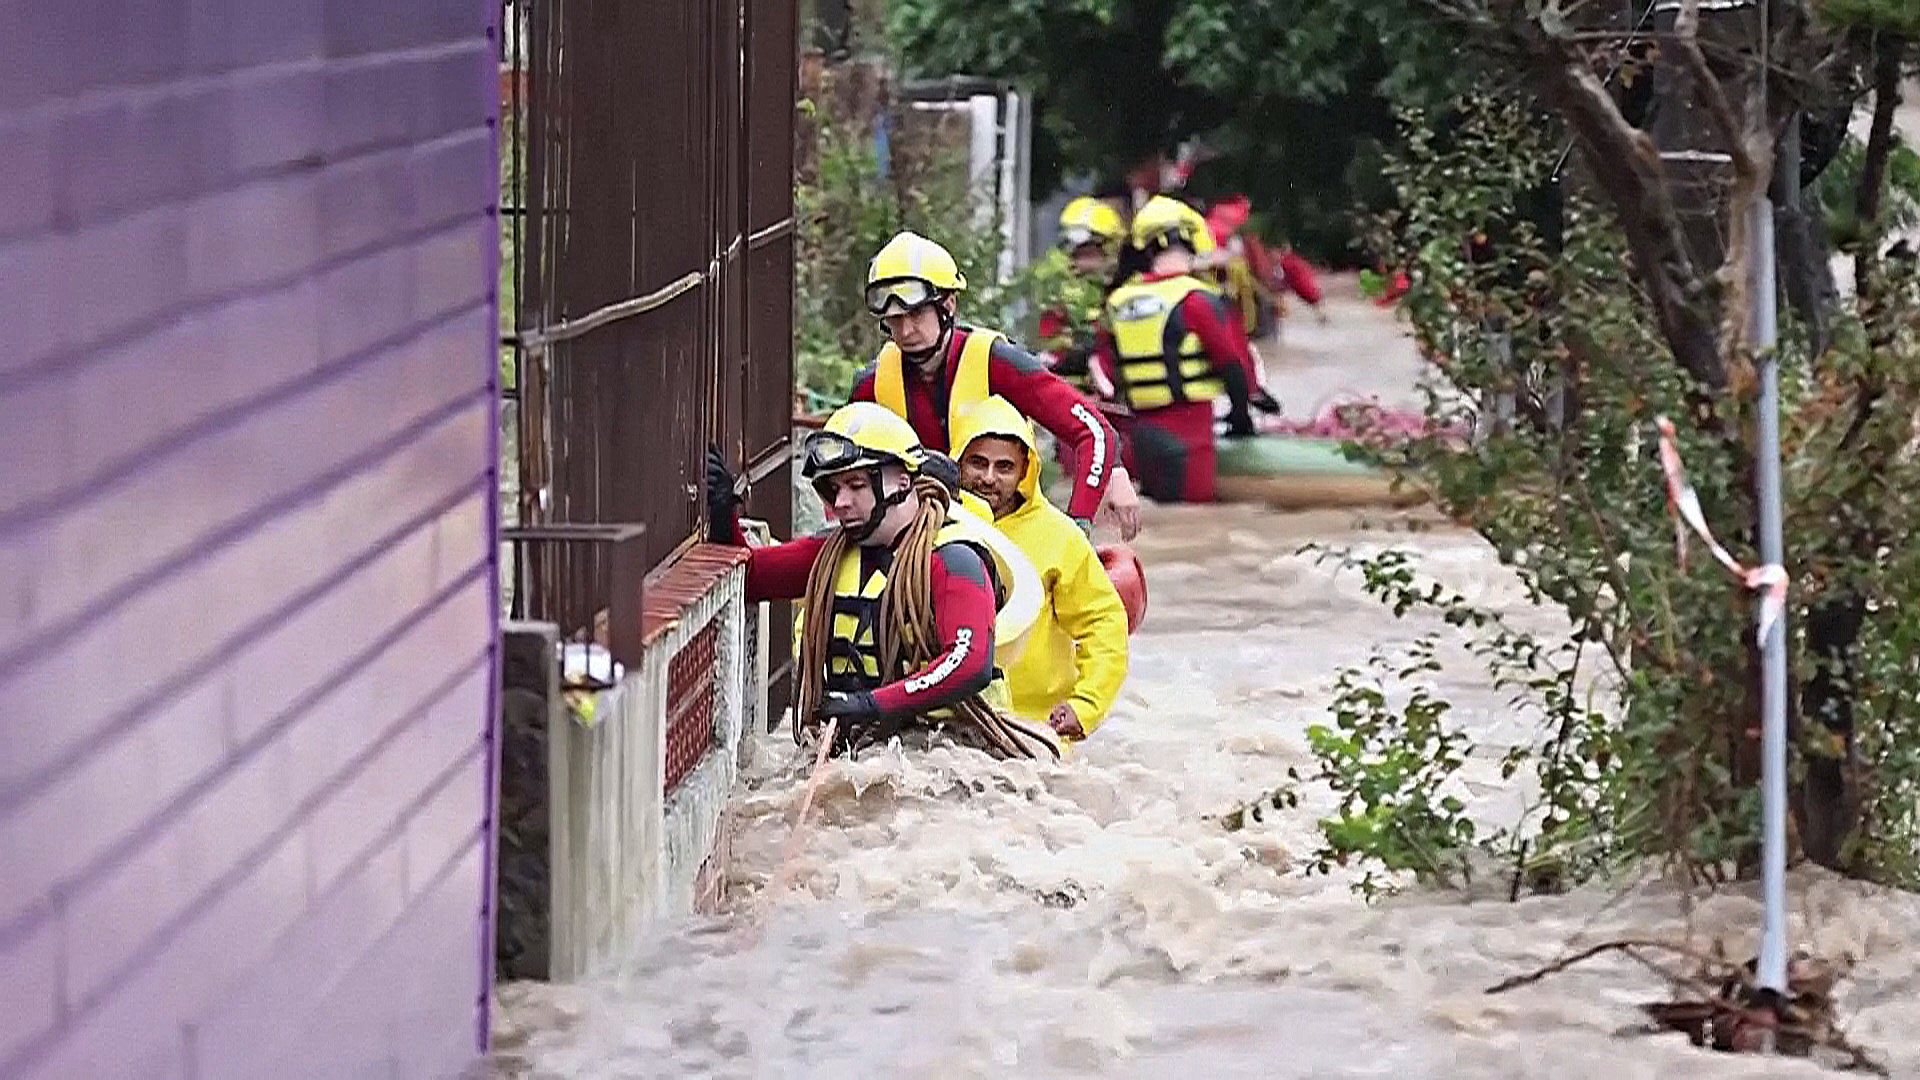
<point x="954" y="916"/>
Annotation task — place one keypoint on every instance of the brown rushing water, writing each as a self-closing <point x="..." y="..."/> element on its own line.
<point x="954" y="916"/>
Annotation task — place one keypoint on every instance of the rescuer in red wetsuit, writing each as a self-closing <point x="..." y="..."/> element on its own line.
<point x="1172" y="347"/>
<point x="885" y="493"/>
<point x="933" y="370"/>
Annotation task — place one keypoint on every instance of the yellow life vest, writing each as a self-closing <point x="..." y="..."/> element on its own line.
<point x="1018" y="590"/>
<point x="970" y="379"/>
<point x="853" y="651"/>
<point x="1161" y="361"/>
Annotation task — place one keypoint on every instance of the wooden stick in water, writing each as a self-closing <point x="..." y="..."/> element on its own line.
<point x="792" y="846"/>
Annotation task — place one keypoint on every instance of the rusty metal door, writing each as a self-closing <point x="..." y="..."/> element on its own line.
<point x="650" y="156"/>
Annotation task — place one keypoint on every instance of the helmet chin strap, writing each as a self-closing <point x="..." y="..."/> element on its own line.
<point x="927" y="358"/>
<point x="881" y="506"/>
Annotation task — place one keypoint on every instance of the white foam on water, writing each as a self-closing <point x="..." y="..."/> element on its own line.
<point x="955" y="916"/>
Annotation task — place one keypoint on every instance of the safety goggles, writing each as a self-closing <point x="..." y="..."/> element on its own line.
<point x="1077" y="236"/>
<point x="902" y="294"/>
<point x="830" y="452"/>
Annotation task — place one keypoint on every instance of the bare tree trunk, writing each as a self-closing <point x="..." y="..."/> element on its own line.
<point x="1627" y="167"/>
<point x="1888" y="52"/>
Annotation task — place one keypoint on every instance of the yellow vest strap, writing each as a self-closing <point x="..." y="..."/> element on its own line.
<point x="890" y="380"/>
<point x="971" y="383"/>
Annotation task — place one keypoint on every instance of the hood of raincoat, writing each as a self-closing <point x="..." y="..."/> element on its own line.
<point x="1076" y="653"/>
<point x="996" y="416"/>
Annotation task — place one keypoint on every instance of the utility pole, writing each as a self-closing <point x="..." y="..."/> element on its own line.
<point x="1772" y="967"/>
<point x="1773" y="649"/>
<point x="1700" y="163"/>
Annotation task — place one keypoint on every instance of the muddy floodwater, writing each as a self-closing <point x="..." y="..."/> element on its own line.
<point x="952" y="916"/>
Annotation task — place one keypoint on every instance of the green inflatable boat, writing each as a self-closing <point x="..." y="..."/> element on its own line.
<point x="1288" y="472"/>
<point x="1299" y="472"/>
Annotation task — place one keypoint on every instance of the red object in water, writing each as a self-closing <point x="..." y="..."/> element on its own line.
<point x="1226" y="217"/>
<point x="1129" y="580"/>
<point x="1395" y="289"/>
<point x="1299" y="276"/>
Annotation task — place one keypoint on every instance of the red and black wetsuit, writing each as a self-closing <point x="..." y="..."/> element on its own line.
<point x="962" y="593"/>
<point x="1045" y="398"/>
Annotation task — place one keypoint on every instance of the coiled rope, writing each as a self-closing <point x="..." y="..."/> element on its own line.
<point x="908" y="634"/>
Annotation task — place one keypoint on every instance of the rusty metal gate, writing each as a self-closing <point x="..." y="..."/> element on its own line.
<point x="648" y="161"/>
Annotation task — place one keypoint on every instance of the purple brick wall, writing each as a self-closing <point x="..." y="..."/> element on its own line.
<point x="247" y="536"/>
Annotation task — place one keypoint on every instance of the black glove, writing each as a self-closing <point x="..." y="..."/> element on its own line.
<point x="1073" y="359"/>
<point x="725" y="494"/>
<point x="1263" y="401"/>
<point x="1239" y="394"/>
<point x="850" y="709"/>
<point x="859" y="719"/>
<point x="944" y="469"/>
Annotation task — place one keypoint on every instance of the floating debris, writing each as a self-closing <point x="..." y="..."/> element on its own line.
<point x="1721" y="1006"/>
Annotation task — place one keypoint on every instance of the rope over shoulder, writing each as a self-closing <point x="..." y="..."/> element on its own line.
<point x="909" y="636"/>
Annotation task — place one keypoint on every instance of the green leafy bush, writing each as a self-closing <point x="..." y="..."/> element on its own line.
<point x="848" y="208"/>
<point x="1660" y="762"/>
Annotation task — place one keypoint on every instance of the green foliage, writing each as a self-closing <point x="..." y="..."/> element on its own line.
<point x="846" y="210"/>
<point x="1388" y="767"/>
<point x="1073" y="55"/>
<point x="1835" y="193"/>
<point x="1293" y="94"/>
<point x="1658" y="763"/>
<point x="844" y="213"/>
<point x="1051" y="282"/>
<point x="1890" y="16"/>
<point x="1397" y="768"/>
<point x="1313" y="50"/>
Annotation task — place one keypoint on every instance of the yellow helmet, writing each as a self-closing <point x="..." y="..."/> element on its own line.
<point x="1163" y="220"/>
<point x="911" y="271"/>
<point x="862" y="435"/>
<point x="1087" y="220"/>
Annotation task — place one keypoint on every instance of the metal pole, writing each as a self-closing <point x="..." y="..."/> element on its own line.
<point x="1773" y="651"/>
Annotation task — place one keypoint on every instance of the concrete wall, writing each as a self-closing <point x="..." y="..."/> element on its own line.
<point x="246" y="536"/>
<point x="631" y="848"/>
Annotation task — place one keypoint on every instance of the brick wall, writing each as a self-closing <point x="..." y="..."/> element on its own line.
<point x="246" y="536"/>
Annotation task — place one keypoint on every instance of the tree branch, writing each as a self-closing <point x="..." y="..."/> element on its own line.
<point x="1628" y="168"/>
<point x="1724" y="968"/>
<point x="1683" y="47"/>
<point x="1802" y="81"/>
<point x="1873" y="167"/>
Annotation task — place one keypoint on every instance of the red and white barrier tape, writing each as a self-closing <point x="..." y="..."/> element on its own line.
<point x="1770" y="579"/>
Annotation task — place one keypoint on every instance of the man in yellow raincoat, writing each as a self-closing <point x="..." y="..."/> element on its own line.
<point x="1076" y="653"/>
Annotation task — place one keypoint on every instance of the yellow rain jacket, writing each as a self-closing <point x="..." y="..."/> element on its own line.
<point x="1077" y="650"/>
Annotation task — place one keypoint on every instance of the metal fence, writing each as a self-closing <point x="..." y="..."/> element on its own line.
<point x="649" y="165"/>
